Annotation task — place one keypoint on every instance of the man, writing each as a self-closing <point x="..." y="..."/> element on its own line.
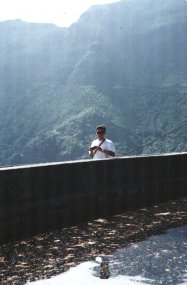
<point x="102" y="147"/>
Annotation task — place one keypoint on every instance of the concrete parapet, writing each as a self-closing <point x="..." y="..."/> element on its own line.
<point x="35" y="198"/>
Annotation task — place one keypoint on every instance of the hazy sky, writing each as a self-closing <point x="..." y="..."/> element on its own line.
<point x="59" y="12"/>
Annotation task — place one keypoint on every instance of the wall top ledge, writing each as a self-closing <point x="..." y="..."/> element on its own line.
<point x="11" y="167"/>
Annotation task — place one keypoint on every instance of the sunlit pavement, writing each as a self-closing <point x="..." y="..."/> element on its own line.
<point x="83" y="275"/>
<point x="161" y="259"/>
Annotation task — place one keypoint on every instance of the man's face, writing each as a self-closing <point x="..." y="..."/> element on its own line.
<point x="100" y="134"/>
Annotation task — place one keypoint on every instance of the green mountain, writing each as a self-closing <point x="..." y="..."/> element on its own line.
<point x="121" y="64"/>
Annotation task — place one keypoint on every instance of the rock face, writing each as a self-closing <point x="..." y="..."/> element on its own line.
<point x="122" y="64"/>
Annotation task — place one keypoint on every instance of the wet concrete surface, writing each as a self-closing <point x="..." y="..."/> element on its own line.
<point x="52" y="253"/>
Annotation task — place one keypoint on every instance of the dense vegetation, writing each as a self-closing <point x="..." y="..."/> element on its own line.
<point x="122" y="64"/>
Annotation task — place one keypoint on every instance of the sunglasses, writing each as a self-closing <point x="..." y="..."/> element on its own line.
<point x="100" y="133"/>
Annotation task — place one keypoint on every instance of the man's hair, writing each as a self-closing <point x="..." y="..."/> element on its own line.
<point x="101" y="127"/>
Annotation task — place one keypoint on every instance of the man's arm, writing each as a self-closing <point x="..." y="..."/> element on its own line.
<point x="91" y="154"/>
<point x="92" y="151"/>
<point x="108" y="152"/>
<point x="105" y="151"/>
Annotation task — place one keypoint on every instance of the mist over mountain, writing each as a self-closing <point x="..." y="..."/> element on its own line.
<point x="122" y="64"/>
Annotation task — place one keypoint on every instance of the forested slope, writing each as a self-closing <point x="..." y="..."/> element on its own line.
<point x="122" y="64"/>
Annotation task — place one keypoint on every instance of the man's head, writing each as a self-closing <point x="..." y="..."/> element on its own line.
<point x="101" y="131"/>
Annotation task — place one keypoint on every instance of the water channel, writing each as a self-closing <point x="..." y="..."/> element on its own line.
<point x="158" y="260"/>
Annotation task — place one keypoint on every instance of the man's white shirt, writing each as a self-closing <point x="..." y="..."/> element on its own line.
<point x="107" y="145"/>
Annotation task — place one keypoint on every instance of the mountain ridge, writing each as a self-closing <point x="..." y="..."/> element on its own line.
<point x="121" y="64"/>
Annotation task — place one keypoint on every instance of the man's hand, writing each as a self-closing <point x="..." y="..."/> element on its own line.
<point x="92" y="148"/>
<point x="98" y="148"/>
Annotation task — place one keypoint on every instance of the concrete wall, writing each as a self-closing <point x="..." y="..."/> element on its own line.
<point x="40" y="197"/>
